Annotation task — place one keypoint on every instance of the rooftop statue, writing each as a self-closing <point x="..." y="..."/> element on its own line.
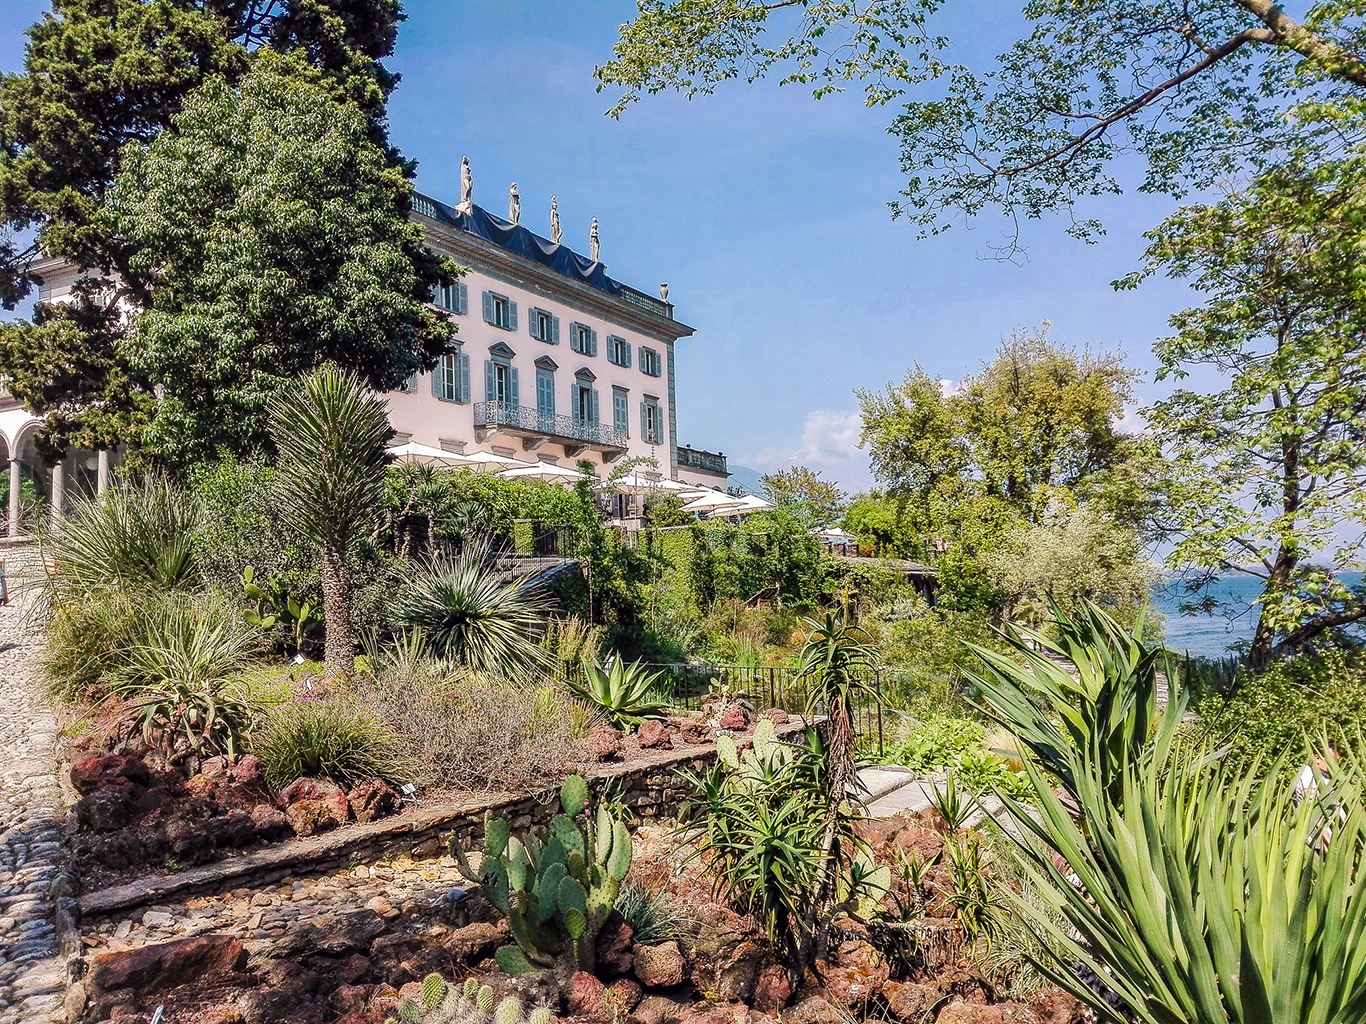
<point x="555" y="233"/>
<point x="514" y="204"/>
<point x="593" y="241"/>
<point x="466" y="183"/>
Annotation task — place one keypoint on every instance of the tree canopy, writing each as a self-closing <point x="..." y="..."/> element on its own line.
<point x="1200" y="90"/>
<point x="802" y="492"/>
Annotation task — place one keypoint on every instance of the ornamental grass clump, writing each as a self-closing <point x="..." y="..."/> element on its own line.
<point x="327" y="736"/>
<point x="1203" y="894"/>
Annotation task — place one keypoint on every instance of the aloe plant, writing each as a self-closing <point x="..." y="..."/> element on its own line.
<point x="625" y="694"/>
<point x="557" y="887"/>
<point x="1202" y="895"/>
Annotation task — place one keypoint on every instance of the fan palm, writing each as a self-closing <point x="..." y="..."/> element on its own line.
<point x="469" y="614"/>
<point x="331" y="434"/>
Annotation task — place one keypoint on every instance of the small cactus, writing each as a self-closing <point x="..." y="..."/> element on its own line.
<point x="444" y="1003"/>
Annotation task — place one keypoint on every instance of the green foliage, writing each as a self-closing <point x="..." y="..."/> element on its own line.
<point x="1270" y="715"/>
<point x="937" y="743"/>
<point x="654" y="914"/>
<point x="332" y="435"/>
<point x="625" y="694"/>
<point x="471" y="615"/>
<point x="472" y="1003"/>
<point x="771" y="554"/>
<point x="1260" y="894"/>
<point x="136" y="537"/>
<point x="326" y="736"/>
<point x="266" y="260"/>
<point x="1263" y="472"/>
<point x="556" y="888"/>
<point x="274" y="605"/>
<point x="206" y="721"/>
<point x="802" y="492"/>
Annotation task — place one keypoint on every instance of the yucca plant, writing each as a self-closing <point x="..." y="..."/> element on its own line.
<point x="625" y="694"/>
<point x="1202" y="895"/>
<point x="332" y="434"/>
<point x="136" y="537"/>
<point x="468" y="614"/>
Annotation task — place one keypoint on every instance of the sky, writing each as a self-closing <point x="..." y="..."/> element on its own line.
<point x="764" y="210"/>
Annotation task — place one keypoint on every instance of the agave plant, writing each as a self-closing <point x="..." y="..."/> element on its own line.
<point x="467" y="613"/>
<point x="625" y="694"/>
<point x="1197" y="894"/>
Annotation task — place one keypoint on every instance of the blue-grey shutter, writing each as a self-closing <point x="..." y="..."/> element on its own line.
<point x="512" y="315"/>
<point x="592" y="343"/>
<point x="513" y="398"/>
<point x="462" y="297"/>
<point x="554" y="330"/>
<point x="626" y="356"/>
<point x="490" y="382"/>
<point x="642" y="360"/>
<point x="593" y="405"/>
<point x="464" y="395"/>
<point x="644" y="422"/>
<point x="436" y="379"/>
<point x="488" y="307"/>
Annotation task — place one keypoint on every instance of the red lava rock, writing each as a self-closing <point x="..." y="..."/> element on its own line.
<point x="738" y="717"/>
<point x="321" y="790"/>
<point x="349" y="999"/>
<point x="202" y="786"/>
<point x="658" y="966"/>
<point x="655" y="735"/>
<point x="246" y="772"/>
<point x="926" y="843"/>
<point x="271" y="823"/>
<point x="772" y="989"/>
<point x="658" y="1010"/>
<point x="971" y="1013"/>
<point x="614" y="947"/>
<point x="474" y="942"/>
<point x="585" y="995"/>
<point x="858" y="973"/>
<point x="777" y="715"/>
<point x="105" y="810"/>
<point x="908" y="1001"/>
<point x="814" y="1010"/>
<point x="624" y="994"/>
<point x="691" y="730"/>
<point x="603" y="743"/>
<point x="1054" y="1006"/>
<point x="309" y="817"/>
<point x="101" y="770"/>
<point x="371" y="799"/>
<point x="724" y="959"/>
<point x="166" y="965"/>
<point x="874" y="831"/>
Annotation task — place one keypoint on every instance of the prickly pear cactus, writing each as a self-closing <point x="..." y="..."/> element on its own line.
<point x="557" y="886"/>
<point x="443" y="1003"/>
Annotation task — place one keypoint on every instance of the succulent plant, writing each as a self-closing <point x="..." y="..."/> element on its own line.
<point x="444" y="1003"/>
<point x="557" y="887"/>
<point x="625" y="694"/>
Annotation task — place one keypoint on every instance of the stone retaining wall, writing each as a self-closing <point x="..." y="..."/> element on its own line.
<point x="649" y="786"/>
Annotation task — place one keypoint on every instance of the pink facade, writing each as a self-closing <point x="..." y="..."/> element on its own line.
<point x="553" y="361"/>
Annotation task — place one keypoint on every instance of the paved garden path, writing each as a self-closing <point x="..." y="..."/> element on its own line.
<point x="891" y="790"/>
<point x="32" y="855"/>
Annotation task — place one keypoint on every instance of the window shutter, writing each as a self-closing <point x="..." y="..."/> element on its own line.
<point x="436" y="379"/>
<point x="490" y="382"/>
<point x="464" y="393"/>
<point x="593" y="405"/>
<point x="488" y="307"/>
<point x="512" y="315"/>
<point x="626" y="357"/>
<point x="644" y="422"/>
<point x="642" y="360"/>
<point x="513" y="398"/>
<point x="462" y="297"/>
<point x="592" y="343"/>
<point x="554" y="330"/>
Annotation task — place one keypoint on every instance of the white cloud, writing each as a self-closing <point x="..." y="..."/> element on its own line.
<point x="829" y="444"/>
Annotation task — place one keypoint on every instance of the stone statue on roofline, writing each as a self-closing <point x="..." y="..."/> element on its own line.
<point x="555" y="233"/>
<point x="514" y="204"/>
<point x="593" y="245"/>
<point x="466" y="185"/>
<point x="664" y="292"/>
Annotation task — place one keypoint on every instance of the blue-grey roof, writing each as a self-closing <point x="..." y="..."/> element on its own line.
<point x="517" y="239"/>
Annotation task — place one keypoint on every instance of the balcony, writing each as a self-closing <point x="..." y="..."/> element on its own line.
<point x="708" y="462"/>
<point x="535" y="428"/>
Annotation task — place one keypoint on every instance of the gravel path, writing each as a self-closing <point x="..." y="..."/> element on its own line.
<point x="32" y="855"/>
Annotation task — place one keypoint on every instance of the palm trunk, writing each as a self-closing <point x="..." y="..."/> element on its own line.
<point x="338" y="645"/>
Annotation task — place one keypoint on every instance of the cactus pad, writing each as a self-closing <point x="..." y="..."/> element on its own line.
<point x="574" y="795"/>
<point x="511" y="960"/>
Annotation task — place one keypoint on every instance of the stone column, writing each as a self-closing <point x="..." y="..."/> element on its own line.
<point x="58" y="491"/>
<point x="16" y="480"/>
<point x="102" y="471"/>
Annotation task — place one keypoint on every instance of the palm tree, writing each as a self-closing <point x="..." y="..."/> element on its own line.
<point x="332" y="437"/>
<point x="468" y="613"/>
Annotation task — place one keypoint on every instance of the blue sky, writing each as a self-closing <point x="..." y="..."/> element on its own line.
<point x="764" y="210"/>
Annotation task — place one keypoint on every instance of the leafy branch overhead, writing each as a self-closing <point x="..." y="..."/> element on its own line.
<point x="1199" y="90"/>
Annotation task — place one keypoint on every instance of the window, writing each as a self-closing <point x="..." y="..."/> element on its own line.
<point x="409" y="385"/>
<point x="618" y="350"/>
<point x="451" y="378"/>
<point x="500" y="382"/>
<point x="585" y="403"/>
<point x="621" y="411"/>
<point x="545" y="393"/>
<point x="583" y="339"/>
<point x="650" y="364"/>
<point x="545" y="326"/>
<point x="452" y="297"/>
<point x="651" y="421"/>
<point x="500" y="311"/>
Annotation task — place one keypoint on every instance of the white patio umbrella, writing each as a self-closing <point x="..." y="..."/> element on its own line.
<point x="749" y="503"/>
<point x="711" y="501"/>
<point x="487" y="462"/>
<point x="544" y="471"/>
<point x="426" y="455"/>
<point x="634" y="483"/>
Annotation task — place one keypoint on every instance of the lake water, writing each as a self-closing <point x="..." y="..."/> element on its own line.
<point x="1210" y="635"/>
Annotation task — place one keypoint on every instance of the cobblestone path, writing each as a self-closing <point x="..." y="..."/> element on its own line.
<point x="32" y="856"/>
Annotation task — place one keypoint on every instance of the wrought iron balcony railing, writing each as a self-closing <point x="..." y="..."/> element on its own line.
<point x="532" y="421"/>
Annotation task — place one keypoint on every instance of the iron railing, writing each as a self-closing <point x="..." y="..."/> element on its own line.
<point x="534" y="421"/>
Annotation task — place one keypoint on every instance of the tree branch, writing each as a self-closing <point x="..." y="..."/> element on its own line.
<point x="1286" y="31"/>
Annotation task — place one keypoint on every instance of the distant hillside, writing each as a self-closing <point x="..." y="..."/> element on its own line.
<point x="743" y="476"/>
